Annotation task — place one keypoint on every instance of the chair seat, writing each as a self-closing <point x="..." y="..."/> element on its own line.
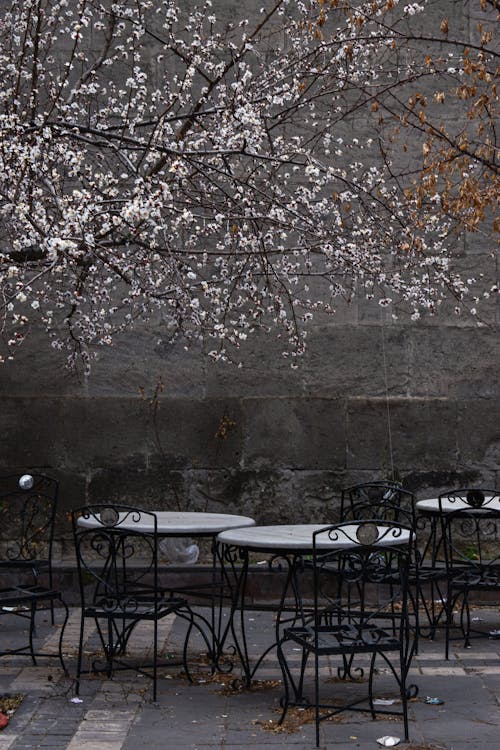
<point x="116" y="550"/>
<point x="130" y="607"/>
<point x="24" y="564"/>
<point x="488" y="578"/>
<point x="25" y="594"/>
<point x="344" y="639"/>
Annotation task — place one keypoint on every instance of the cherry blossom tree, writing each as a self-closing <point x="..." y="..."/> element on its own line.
<point x="223" y="175"/>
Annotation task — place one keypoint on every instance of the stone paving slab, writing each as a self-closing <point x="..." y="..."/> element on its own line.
<point x="118" y="714"/>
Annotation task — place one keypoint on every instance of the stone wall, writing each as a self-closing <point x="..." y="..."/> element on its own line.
<point x="162" y="427"/>
<point x="264" y="440"/>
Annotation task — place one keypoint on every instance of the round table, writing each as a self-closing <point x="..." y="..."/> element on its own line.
<point x="432" y="506"/>
<point x="295" y="538"/>
<point x="432" y="513"/>
<point x="179" y="523"/>
<point x="188" y="524"/>
<point x="290" y="543"/>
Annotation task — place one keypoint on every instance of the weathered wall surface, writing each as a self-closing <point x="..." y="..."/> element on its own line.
<point x="372" y="396"/>
<point x="265" y="440"/>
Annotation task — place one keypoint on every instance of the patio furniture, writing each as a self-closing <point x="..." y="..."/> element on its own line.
<point x="469" y="520"/>
<point x="27" y="515"/>
<point x="288" y="546"/>
<point x="388" y="502"/>
<point x="433" y="572"/>
<point x="198" y="524"/>
<point x="117" y="559"/>
<point x="347" y="622"/>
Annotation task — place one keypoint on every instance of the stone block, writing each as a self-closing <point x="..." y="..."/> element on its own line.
<point x="128" y="482"/>
<point x="263" y="494"/>
<point x="316" y="495"/>
<point x="32" y="434"/>
<point x="144" y="362"/>
<point x="103" y="431"/>
<point x="458" y="363"/>
<point x="344" y="361"/>
<point x="423" y="433"/>
<point x="72" y="494"/>
<point x="38" y="370"/>
<point x="204" y="432"/>
<point x="427" y="484"/>
<point x="478" y="432"/>
<point x="264" y="372"/>
<point x="294" y="433"/>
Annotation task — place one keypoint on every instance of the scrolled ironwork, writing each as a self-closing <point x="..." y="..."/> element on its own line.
<point x="117" y="556"/>
<point x="385" y="501"/>
<point x="470" y="519"/>
<point x="27" y="515"/>
<point x="346" y="622"/>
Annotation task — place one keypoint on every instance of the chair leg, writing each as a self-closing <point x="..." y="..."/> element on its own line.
<point x="32" y="631"/>
<point x="465" y="619"/>
<point x="370" y="684"/>
<point x="316" y="696"/>
<point x="186" y="646"/>
<point x="80" y="653"/>
<point x="415" y="600"/>
<point x="155" y="658"/>
<point x="448" y="623"/>
<point x="110" y="651"/>
<point x="63" y="628"/>
<point x="189" y="616"/>
<point x="292" y="685"/>
<point x="285" y="700"/>
<point x="404" y="666"/>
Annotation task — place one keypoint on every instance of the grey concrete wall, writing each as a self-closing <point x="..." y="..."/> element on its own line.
<point x="265" y="440"/>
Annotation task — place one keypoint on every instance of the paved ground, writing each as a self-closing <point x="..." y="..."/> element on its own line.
<point x="118" y="714"/>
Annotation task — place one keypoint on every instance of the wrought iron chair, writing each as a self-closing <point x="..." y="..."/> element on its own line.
<point x="117" y="559"/>
<point x="470" y="521"/>
<point x="347" y="621"/>
<point x="388" y="502"/>
<point x="27" y="515"/>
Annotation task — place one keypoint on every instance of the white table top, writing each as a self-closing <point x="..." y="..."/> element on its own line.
<point x="293" y="538"/>
<point x="180" y="523"/>
<point x="431" y="505"/>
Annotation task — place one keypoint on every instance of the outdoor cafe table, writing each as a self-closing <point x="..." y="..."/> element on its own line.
<point x="430" y="513"/>
<point x="195" y="525"/>
<point x="431" y="510"/>
<point x="172" y="523"/>
<point x="432" y="507"/>
<point x="288" y="544"/>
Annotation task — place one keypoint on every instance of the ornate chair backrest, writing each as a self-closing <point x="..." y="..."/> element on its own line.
<point x="364" y="555"/>
<point x="386" y="501"/>
<point x="470" y="519"/>
<point x="27" y="515"/>
<point x="117" y="556"/>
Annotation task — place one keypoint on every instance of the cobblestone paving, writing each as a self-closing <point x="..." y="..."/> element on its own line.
<point x="118" y="714"/>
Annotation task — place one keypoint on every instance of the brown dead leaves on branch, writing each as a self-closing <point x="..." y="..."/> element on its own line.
<point x="460" y="149"/>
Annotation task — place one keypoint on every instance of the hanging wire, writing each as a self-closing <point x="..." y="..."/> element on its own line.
<point x="389" y="429"/>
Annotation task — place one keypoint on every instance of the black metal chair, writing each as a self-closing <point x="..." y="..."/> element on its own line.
<point x="470" y="520"/>
<point x="117" y="558"/>
<point x="348" y="619"/>
<point x="27" y="515"/>
<point x="388" y="502"/>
